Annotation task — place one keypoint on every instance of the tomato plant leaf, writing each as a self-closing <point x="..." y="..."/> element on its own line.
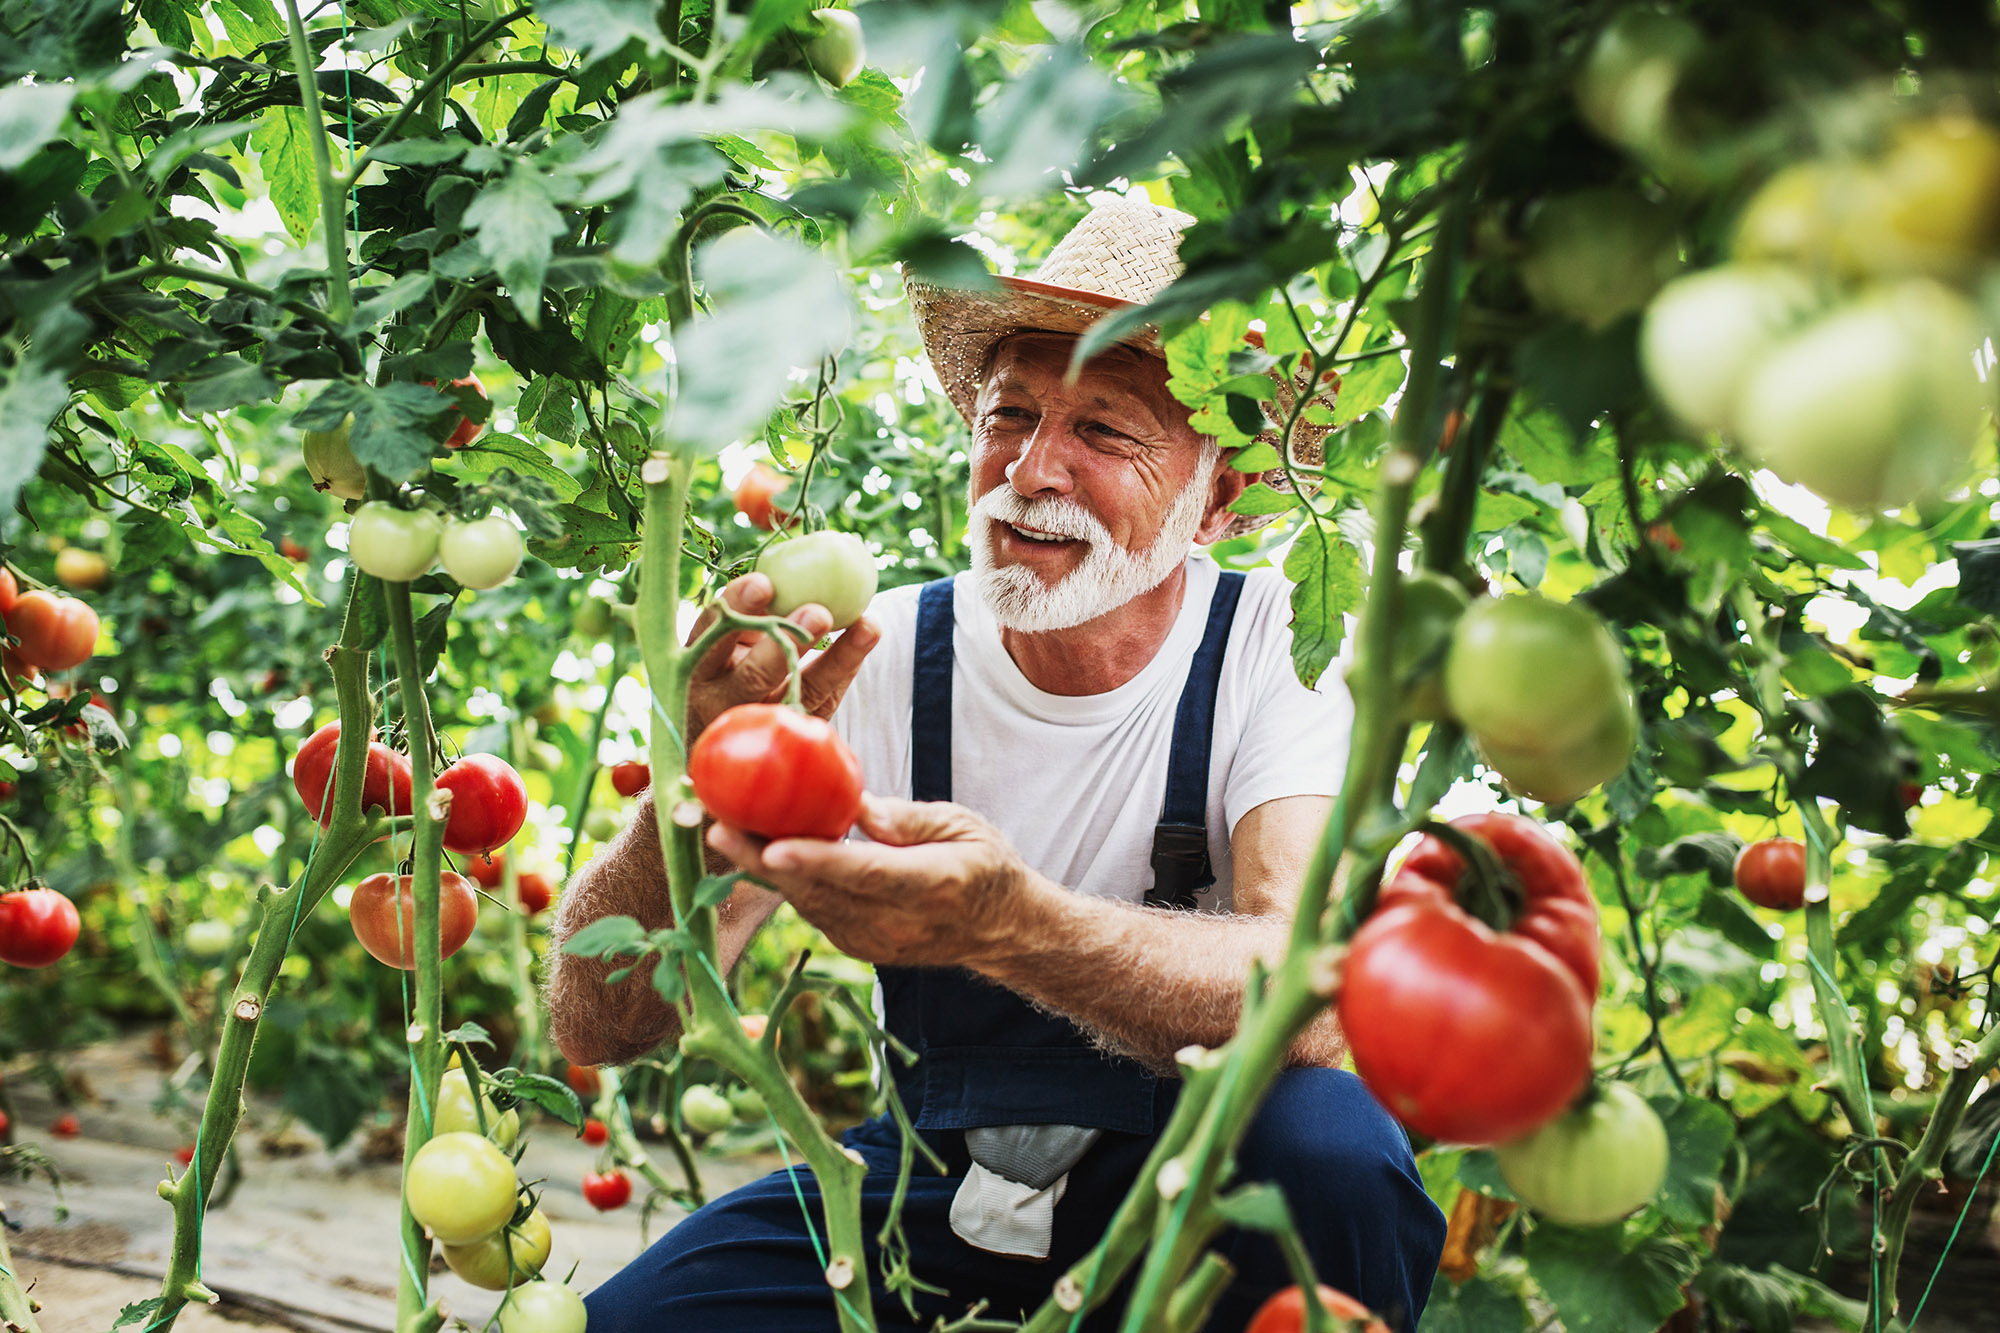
<point x="516" y="223"/>
<point x="1327" y="584"/>
<point x="1482" y="1305"/>
<point x="284" y="155"/>
<point x="1367" y="386"/>
<point x="713" y="889"/>
<point x="1698" y="1137"/>
<point x="1257" y="498"/>
<point x="1259" y="1207"/>
<point x="606" y="938"/>
<point x="30" y="116"/>
<point x="1597" y="1285"/>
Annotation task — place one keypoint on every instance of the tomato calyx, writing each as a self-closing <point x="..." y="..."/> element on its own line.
<point x="1487" y="890"/>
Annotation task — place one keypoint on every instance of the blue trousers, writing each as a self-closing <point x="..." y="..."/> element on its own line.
<point x="745" y="1261"/>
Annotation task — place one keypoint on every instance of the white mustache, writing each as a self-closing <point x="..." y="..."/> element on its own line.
<point x="1052" y="514"/>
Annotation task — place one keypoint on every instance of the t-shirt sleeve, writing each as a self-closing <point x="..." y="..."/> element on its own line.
<point x="1292" y="741"/>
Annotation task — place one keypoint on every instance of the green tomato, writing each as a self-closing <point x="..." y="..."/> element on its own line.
<point x="1565" y="773"/>
<point x="461" y="1188"/>
<point x="838" y="52"/>
<point x="1625" y="89"/>
<point x="1796" y="216"/>
<point x="601" y="824"/>
<point x="542" y="1307"/>
<point x="747" y="1103"/>
<point x="209" y="939"/>
<point x="1431" y="606"/>
<point x="1876" y="404"/>
<point x="833" y="569"/>
<point x="482" y="554"/>
<point x="484" y="1263"/>
<point x="456" y="1114"/>
<point x="706" y="1110"/>
<point x="1704" y="334"/>
<point x="593" y="618"/>
<point x="1592" y="1165"/>
<point x="1598" y="255"/>
<point x="1528" y="674"/>
<point x="332" y="462"/>
<point x="393" y="544"/>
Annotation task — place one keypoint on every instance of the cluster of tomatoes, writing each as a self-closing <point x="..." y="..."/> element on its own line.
<point x="51" y="632"/>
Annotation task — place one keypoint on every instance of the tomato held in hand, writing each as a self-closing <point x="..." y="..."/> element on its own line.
<point x="383" y="912"/>
<point x="542" y="1307"/>
<point x="482" y="554"/>
<point x="776" y="772"/>
<point x="607" y="1190"/>
<point x="832" y="569"/>
<point x="395" y="545"/>
<point x="66" y="1126"/>
<point x="385" y="780"/>
<point x="37" y="927"/>
<point x="631" y="777"/>
<point x="1465" y="1033"/>
<point x="488" y="803"/>
<point x="461" y="1188"/>
<point x="1286" y="1312"/>
<point x="754" y="494"/>
<point x="485" y="1263"/>
<point x="1772" y="873"/>
<point x="1591" y="1165"/>
<point x="56" y="633"/>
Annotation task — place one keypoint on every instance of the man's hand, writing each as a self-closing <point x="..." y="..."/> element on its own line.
<point x="938" y="887"/>
<point x="750" y="667"/>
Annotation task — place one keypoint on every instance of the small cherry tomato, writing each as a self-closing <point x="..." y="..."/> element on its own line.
<point x="56" y="633"/>
<point x="292" y="551"/>
<point x="776" y="772"/>
<point x="4" y="1122"/>
<point x="754" y="1025"/>
<point x="185" y="1154"/>
<point x="754" y="495"/>
<point x="37" y="927"/>
<point x="582" y="1080"/>
<point x="534" y="890"/>
<point x="595" y="1132"/>
<point x="631" y="777"/>
<point x="460" y="1187"/>
<point x="607" y="1190"/>
<point x="393" y="544"/>
<point x="1286" y="1312"/>
<point x="80" y="569"/>
<point x="383" y="913"/>
<point x="482" y="554"/>
<point x="488" y="803"/>
<point x="705" y="1110"/>
<point x="1772" y="873"/>
<point x="66" y="1126"/>
<point x="486" y="869"/>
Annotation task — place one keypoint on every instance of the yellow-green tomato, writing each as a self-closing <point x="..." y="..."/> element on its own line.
<point x="1626" y="85"/>
<point x="542" y="1307"/>
<point x="601" y="824"/>
<point x="1598" y="255"/>
<point x="1431" y="606"/>
<point x="1796" y="216"/>
<point x="1528" y="674"/>
<point x="1592" y="1165"/>
<point x="1706" y="331"/>
<point x="833" y="569"/>
<point x="593" y="618"/>
<point x="461" y="1188"/>
<point x="1933" y="204"/>
<point x="209" y="938"/>
<point x="393" y="544"/>
<point x="838" y="52"/>
<point x="706" y="1110"/>
<point x="482" y="554"/>
<point x="1567" y="772"/>
<point x="457" y="1115"/>
<point x="484" y="1263"/>
<point x="747" y="1103"/>
<point x="1877" y="403"/>
<point x="332" y="462"/>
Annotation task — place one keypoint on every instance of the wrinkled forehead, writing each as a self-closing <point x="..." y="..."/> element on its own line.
<point x="1034" y="359"/>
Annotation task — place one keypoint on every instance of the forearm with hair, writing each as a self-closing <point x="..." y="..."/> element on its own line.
<point x="595" y="1023"/>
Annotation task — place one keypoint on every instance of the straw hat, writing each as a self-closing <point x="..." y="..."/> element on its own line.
<point x="1123" y="253"/>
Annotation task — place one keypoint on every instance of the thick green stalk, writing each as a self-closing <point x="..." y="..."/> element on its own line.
<point x="332" y="206"/>
<point x="17" y="1312"/>
<point x="1926" y="1160"/>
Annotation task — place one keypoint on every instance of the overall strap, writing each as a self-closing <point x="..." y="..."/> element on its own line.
<point x="930" y="711"/>
<point x="1180" y="840"/>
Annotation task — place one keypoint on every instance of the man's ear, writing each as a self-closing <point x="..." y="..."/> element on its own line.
<point x="1228" y="484"/>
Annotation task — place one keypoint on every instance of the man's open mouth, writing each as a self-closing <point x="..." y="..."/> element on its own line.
<point x="1039" y="537"/>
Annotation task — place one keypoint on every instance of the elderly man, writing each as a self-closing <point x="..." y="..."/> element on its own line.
<point x="1095" y="785"/>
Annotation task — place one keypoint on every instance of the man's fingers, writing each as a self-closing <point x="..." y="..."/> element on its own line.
<point x="898" y="823"/>
<point x="750" y="595"/>
<point x="826" y="678"/>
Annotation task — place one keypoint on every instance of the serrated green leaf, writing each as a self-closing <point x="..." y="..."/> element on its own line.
<point x="30" y="115"/>
<point x="1698" y="1137"/>
<point x="1328" y="583"/>
<point x="284" y="155"/>
<point x="1257" y="498"/>
<point x="1367" y="387"/>
<point x="1598" y="1286"/>
<point x="1478" y="1306"/>
<point x="517" y="223"/>
<point x="606" y="937"/>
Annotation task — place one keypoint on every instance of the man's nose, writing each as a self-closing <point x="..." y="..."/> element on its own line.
<point x="1042" y="468"/>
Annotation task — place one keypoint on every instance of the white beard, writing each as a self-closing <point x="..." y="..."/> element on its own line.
<point x="1109" y="577"/>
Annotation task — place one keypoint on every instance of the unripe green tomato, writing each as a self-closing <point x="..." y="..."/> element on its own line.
<point x="484" y="1263"/>
<point x="332" y="463"/>
<point x="1876" y="404"/>
<point x="1565" y="773"/>
<point x="1704" y="334"/>
<point x="1935" y="205"/>
<point x="1797" y="216"/>
<point x="833" y="569"/>
<point x="1431" y="606"/>
<point x="601" y="824"/>
<point x="482" y="554"/>
<point x="747" y="1103"/>
<point x="1528" y="674"/>
<point x="1627" y="82"/>
<point x="393" y="544"/>
<point x="208" y="938"/>
<point x="1598" y="255"/>
<point x="456" y="1115"/>
<point x="542" y="1307"/>
<point x="461" y="1187"/>
<point x="593" y="618"/>
<point x="705" y="1110"/>
<point x="1593" y="1165"/>
<point x="838" y="52"/>
<point x="545" y="756"/>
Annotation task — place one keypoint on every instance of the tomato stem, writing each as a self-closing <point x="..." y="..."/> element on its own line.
<point x="1486" y="889"/>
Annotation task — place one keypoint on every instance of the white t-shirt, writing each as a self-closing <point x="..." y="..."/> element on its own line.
<point x="1076" y="782"/>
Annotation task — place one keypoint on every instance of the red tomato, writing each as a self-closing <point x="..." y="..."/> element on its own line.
<point x="381" y="899"/>
<point x="1468" y="1034"/>
<point x="291" y="550"/>
<point x="582" y="1080"/>
<point x="1910" y="793"/>
<point x="4" y="1122"/>
<point x="37" y="927"/>
<point x="607" y="1190"/>
<point x="6" y="790"/>
<point x="534" y="889"/>
<point x="754" y="495"/>
<point x="486" y="869"/>
<point x="386" y="772"/>
<point x="488" y="803"/>
<point x="1286" y="1312"/>
<point x="595" y="1132"/>
<point x="631" y="777"/>
<point x="10" y="591"/>
<point x="776" y="772"/>
<point x="67" y="1126"/>
<point x="467" y="429"/>
<point x="19" y="670"/>
<point x="82" y="728"/>
<point x="1772" y="873"/>
<point x="56" y="633"/>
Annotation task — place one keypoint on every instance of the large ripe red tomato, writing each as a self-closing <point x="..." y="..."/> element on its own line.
<point x="380" y="900"/>
<point x="607" y="1190"/>
<point x="37" y="927"/>
<point x="1465" y="1033"/>
<point x="1772" y="873"/>
<point x="56" y="633"/>
<point x="488" y="803"/>
<point x="754" y="494"/>
<point x="776" y="772"/>
<point x="631" y="777"/>
<point x="10" y="590"/>
<point x="385" y="778"/>
<point x="1286" y="1312"/>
